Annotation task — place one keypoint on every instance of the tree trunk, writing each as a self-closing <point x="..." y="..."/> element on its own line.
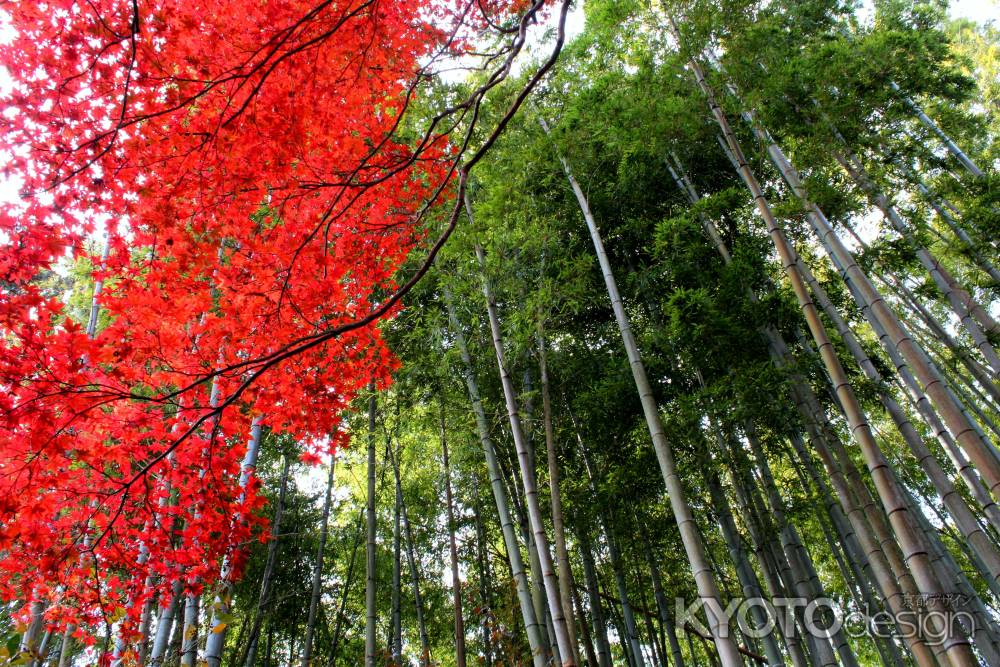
<point x="28" y="645"/>
<point x="596" y="608"/>
<point x="565" y="573"/>
<point x="875" y="309"/>
<point x="335" y="642"/>
<point x="174" y="652"/>
<point x="622" y="633"/>
<point x="249" y="652"/>
<point x="588" y="642"/>
<point x="861" y="566"/>
<point x="708" y="588"/>
<point x="396" y="636"/>
<point x="65" y="648"/>
<point x="744" y="572"/>
<point x="960" y="511"/>
<point x="631" y="636"/>
<point x="192" y="601"/>
<point x="95" y="301"/>
<point x="969" y="246"/>
<point x="218" y="628"/>
<point x="241" y="640"/>
<point x="527" y="477"/>
<point x="797" y="554"/>
<point x="317" y="577"/>
<point x="370" y="611"/>
<point x="933" y="127"/>
<point x="483" y="563"/>
<point x="165" y="624"/>
<point x="418" y="603"/>
<point x="628" y="615"/>
<point x="662" y="607"/>
<point x="534" y="564"/>
<point x="975" y="319"/>
<point x="957" y="648"/>
<point x="939" y="332"/>
<point x="654" y="645"/>
<point x="456" y="582"/>
<point x="979" y="625"/>
<point x="532" y="629"/>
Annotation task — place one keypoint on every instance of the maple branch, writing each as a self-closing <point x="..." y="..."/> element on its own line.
<point x="262" y="365"/>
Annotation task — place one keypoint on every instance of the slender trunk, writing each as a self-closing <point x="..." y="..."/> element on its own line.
<point x="662" y="607"/>
<point x="177" y="637"/>
<point x="146" y="620"/>
<point x="708" y="588"/>
<point x="628" y="615"/>
<point x="192" y="601"/>
<point x="967" y="162"/>
<point x="36" y="621"/>
<point x="241" y="640"/>
<point x="967" y="601"/>
<point x="956" y="648"/>
<point x="483" y="563"/>
<point x="534" y="564"/>
<point x="975" y="319"/>
<point x="528" y="412"/>
<point x="970" y="246"/>
<point x="532" y="629"/>
<point x="370" y="611"/>
<point x="631" y="636"/>
<point x="960" y="511"/>
<point x="396" y="636"/>
<point x="886" y="580"/>
<point x="861" y="566"/>
<point x="596" y="608"/>
<point x="146" y="616"/>
<point x="894" y="580"/>
<point x="249" y="653"/>
<point x="562" y="555"/>
<point x="165" y="624"/>
<point x="65" y="648"/>
<point x="43" y="648"/>
<point x="623" y="634"/>
<point x="744" y="572"/>
<point x="797" y="554"/>
<point x="456" y="582"/>
<point x="657" y="650"/>
<point x="774" y="566"/>
<point x="317" y="575"/>
<point x="877" y="311"/>
<point x="588" y="642"/>
<point x="954" y="409"/>
<point x="981" y="374"/>
<point x="95" y="301"/>
<point x="411" y="557"/>
<point x="335" y="642"/>
<point x="527" y="477"/>
<point x="965" y="391"/>
<point x="859" y="588"/>
<point x="218" y="628"/>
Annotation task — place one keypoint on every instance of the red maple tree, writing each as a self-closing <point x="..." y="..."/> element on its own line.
<point x="259" y="173"/>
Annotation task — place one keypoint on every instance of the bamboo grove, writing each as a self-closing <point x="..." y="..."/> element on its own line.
<point x="675" y="342"/>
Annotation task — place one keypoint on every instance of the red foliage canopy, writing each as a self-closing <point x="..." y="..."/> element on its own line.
<point x="259" y="181"/>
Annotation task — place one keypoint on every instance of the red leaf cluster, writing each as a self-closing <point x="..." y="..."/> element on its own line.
<point x="251" y="168"/>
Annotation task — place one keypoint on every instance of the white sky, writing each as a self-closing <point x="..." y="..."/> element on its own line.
<point x="978" y="10"/>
